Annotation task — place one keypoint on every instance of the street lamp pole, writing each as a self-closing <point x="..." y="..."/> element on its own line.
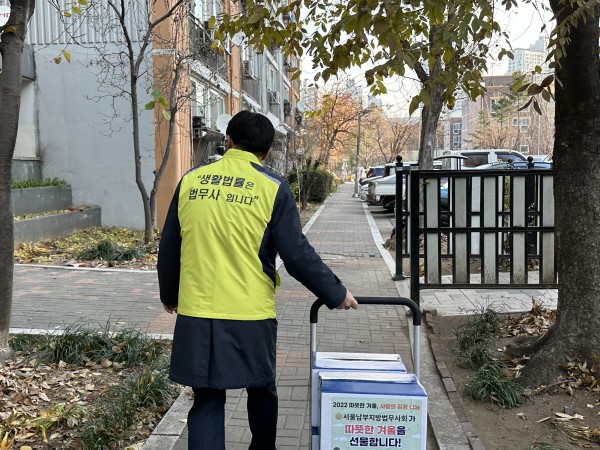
<point x="360" y="114"/>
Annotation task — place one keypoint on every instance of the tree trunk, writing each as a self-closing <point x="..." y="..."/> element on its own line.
<point x="577" y="206"/>
<point x="430" y="115"/>
<point x="309" y="179"/>
<point x="11" y="46"/>
<point x="148" y="219"/>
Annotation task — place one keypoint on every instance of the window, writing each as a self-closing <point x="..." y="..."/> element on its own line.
<point x="506" y="156"/>
<point x="475" y="159"/>
<point x="515" y="122"/>
<point x="199" y="10"/>
<point x="524" y="148"/>
<point x="524" y="123"/>
<point x="199" y="100"/>
<point x="272" y="79"/>
<point x="456" y="128"/>
<point x="455" y="141"/>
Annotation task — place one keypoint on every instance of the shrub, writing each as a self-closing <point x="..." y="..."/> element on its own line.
<point x="37" y="183"/>
<point x="322" y="184"/>
<point x="107" y="251"/>
<point x="491" y="385"/>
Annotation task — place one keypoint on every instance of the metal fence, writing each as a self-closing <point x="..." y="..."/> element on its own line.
<point x="475" y="228"/>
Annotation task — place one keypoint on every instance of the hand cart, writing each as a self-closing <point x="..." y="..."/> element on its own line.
<point x="366" y="400"/>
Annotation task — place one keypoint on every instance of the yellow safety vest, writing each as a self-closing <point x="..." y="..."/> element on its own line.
<point x="224" y="210"/>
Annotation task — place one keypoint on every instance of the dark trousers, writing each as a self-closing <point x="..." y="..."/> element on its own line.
<point x="206" y="419"/>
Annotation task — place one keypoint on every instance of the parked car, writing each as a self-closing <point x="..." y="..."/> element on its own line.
<point x="375" y="171"/>
<point x="470" y="159"/>
<point x="382" y="192"/>
<point x="501" y="165"/>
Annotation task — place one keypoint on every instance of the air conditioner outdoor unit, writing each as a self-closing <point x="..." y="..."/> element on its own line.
<point x="247" y="69"/>
<point x="273" y="98"/>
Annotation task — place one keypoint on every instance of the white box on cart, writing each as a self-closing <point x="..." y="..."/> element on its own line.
<point x="339" y="361"/>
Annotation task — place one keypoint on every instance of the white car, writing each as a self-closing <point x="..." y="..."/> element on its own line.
<point x="363" y="190"/>
<point x="382" y="192"/>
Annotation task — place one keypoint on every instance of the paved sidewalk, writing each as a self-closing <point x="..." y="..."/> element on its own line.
<point x="345" y="234"/>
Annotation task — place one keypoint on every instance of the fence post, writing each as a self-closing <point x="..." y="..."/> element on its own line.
<point x="415" y="211"/>
<point x="399" y="214"/>
<point x="531" y="213"/>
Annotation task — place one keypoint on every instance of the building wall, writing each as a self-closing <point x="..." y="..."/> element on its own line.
<point x="77" y="146"/>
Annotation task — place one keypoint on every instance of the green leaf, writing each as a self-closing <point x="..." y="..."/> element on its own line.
<point x="212" y="22"/>
<point x="156" y="94"/>
<point x="414" y="104"/>
<point x="163" y="102"/>
<point x="254" y="18"/>
<point x="166" y="114"/>
<point x="150" y="105"/>
<point x="536" y="106"/>
<point x="76" y="10"/>
<point x="83" y="2"/>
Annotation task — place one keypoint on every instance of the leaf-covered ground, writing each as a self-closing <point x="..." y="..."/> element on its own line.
<point x="563" y="416"/>
<point x="44" y="406"/>
<point x="69" y="251"/>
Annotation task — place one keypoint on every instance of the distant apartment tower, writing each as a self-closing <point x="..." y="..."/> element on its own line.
<point x="525" y="59"/>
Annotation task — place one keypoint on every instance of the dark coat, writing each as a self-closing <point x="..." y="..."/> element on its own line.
<point x="223" y="354"/>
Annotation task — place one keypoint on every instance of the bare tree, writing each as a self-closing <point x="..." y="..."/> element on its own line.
<point x="333" y="121"/>
<point x="150" y="53"/>
<point x="390" y="137"/>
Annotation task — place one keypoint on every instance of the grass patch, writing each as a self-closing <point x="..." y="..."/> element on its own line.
<point x="492" y="385"/>
<point x="37" y="183"/>
<point x="108" y="251"/>
<point x="84" y="343"/>
<point x="474" y="338"/>
<point x="492" y="382"/>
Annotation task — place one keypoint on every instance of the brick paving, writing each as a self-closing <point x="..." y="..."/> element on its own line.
<point x="52" y="298"/>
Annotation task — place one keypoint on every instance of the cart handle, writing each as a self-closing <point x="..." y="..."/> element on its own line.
<point x="416" y="312"/>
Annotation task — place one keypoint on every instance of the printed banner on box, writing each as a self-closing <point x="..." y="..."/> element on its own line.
<point x="350" y="421"/>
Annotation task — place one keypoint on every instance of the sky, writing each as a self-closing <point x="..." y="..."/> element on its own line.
<point x="523" y="26"/>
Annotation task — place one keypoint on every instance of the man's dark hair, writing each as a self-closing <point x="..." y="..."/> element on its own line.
<point x="251" y="132"/>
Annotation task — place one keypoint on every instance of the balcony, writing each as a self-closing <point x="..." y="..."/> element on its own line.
<point x="251" y="86"/>
<point x="201" y="40"/>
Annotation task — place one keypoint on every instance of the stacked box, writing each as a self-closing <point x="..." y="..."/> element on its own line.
<point x="346" y="363"/>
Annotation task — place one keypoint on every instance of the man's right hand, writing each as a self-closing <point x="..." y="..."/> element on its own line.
<point x="349" y="302"/>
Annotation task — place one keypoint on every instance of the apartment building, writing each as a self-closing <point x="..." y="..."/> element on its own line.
<point x="496" y="120"/>
<point x="76" y="117"/>
<point x="526" y="59"/>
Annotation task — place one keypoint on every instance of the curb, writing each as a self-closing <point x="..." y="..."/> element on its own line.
<point x="454" y="397"/>
<point x="169" y="429"/>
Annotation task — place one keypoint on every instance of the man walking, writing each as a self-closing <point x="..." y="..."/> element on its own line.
<point x="216" y="268"/>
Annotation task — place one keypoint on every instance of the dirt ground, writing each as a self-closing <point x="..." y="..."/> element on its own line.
<point x="527" y="427"/>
